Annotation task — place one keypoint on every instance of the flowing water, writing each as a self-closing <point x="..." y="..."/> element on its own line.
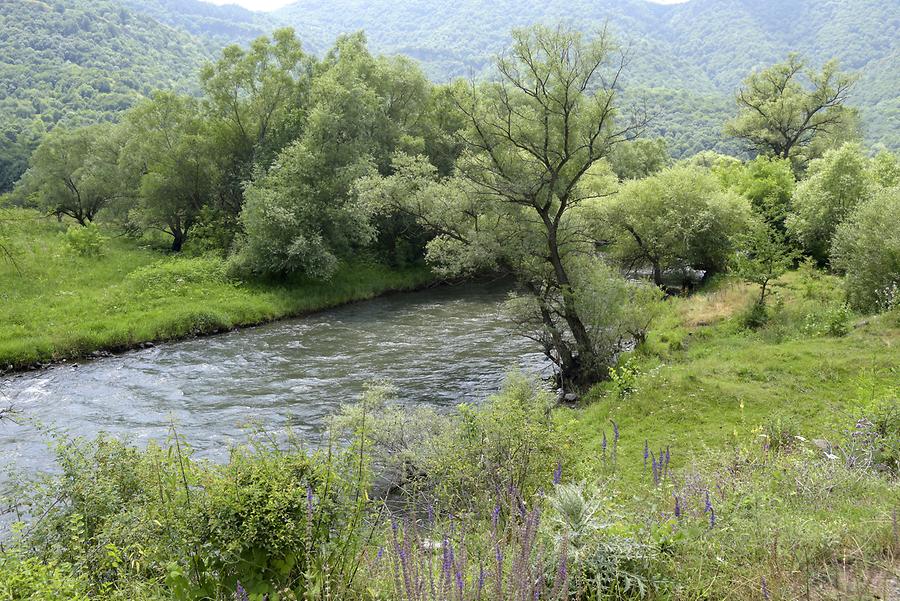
<point x="441" y="346"/>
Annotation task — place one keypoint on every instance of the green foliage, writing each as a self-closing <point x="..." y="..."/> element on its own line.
<point x="867" y="250"/>
<point x="169" y="159"/>
<point x="784" y="109"/>
<point x="75" y="172"/>
<point x="277" y="521"/>
<point x="676" y="219"/>
<point x="836" y="184"/>
<point x="639" y="158"/>
<point x="80" y="62"/>
<point x="833" y="320"/>
<point x="300" y="216"/>
<point x="763" y="256"/>
<point x="85" y="241"/>
<point x="781" y="432"/>
<point x="768" y="183"/>
<point x="25" y="578"/>
<point x="460" y="461"/>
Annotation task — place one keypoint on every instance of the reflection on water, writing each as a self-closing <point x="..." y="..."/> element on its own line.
<point x="440" y="346"/>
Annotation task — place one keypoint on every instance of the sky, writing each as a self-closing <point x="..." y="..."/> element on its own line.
<point x="273" y="4"/>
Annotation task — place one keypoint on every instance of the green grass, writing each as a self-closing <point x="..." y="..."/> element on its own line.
<point x="704" y="387"/>
<point x="710" y="390"/>
<point x="56" y="304"/>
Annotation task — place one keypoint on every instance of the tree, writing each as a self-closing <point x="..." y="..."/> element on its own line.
<point x="256" y="97"/>
<point x="763" y="256"/>
<point x="784" y="108"/>
<point x="300" y="216"/>
<point x="835" y="185"/>
<point x="767" y="182"/>
<point x="74" y="172"/>
<point x="639" y="158"/>
<point x="515" y="204"/>
<point x="169" y="160"/>
<point x="867" y="250"/>
<point x="677" y="219"/>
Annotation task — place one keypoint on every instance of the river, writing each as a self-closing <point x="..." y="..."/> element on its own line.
<point x="440" y="346"/>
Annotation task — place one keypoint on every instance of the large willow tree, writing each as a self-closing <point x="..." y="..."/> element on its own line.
<point x="514" y="203"/>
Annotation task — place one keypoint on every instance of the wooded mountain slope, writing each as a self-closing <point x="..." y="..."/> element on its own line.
<point x="83" y="61"/>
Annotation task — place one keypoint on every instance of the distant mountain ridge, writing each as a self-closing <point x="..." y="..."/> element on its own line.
<point x="81" y="61"/>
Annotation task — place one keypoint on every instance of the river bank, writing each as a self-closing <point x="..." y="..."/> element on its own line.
<point x="58" y="305"/>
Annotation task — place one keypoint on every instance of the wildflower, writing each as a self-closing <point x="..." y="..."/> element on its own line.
<point x="655" y="470"/>
<point x="712" y="517"/>
<point x="646" y="452"/>
<point x="557" y="473"/>
<point x="709" y="506"/>
<point x="495" y="516"/>
<point x="240" y="594"/>
<point x="677" y="507"/>
<point x="380" y="553"/>
<point x="615" y="431"/>
<point x="765" y="589"/>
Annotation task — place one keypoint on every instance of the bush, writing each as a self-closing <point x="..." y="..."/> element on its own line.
<point x="85" y="241"/>
<point x="837" y="183"/>
<point x="830" y="321"/>
<point x="462" y="461"/>
<point x="274" y="520"/>
<point x="602" y="563"/>
<point x="867" y="249"/>
<point x="29" y="579"/>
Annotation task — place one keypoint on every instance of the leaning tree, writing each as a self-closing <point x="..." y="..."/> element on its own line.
<point x="515" y="203"/>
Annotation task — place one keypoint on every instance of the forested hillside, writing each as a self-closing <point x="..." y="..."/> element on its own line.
<point x="78" y="62"/>
<point x="700" y="48"/>
<point x="83" y="61"/>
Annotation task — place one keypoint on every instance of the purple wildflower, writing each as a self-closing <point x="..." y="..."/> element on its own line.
<point x="615" y="431"/>
<point x="668" y="457"/>
<point x="765" y="589"/>
<point x="655" y="469"/>
<point x="712" y="517"/>
<point x="677" y="507"/>
<point x="603" y="443"/>
<point x="708" y="506"/>
<point x="240" y="594"/>
<point x="380" y="553"/>
<point x="646" y="452"/>
<point x="557" y="473"/>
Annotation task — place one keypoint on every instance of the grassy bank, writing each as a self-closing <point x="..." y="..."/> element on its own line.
<point x="57" y="304"/>
<point x="768" y="436"/>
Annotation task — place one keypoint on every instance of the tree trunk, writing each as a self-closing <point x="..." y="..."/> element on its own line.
<point x="657" y="274"/>
<point x="584" y="369"/>
<point x="177" y="241"/>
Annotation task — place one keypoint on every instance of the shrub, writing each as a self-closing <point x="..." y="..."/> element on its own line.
<point x="275" y="520"/>
<point x="867" y="249"/>
<point x="30" y="579"/>
<point x="462" y="461"/>
<point x="602" y="562"/>
<point x="837" y="183"/>
<point x="85" y="241"/>
<point x="830" y="321"/>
